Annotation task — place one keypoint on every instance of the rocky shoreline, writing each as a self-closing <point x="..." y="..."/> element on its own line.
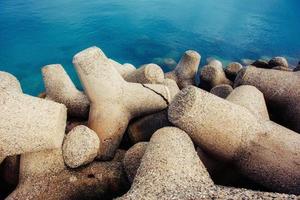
<point x="140" y="133"/>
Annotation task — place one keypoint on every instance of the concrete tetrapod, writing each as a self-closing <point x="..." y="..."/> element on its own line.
<point x="186" y="70"/>
<point x="124" y="70"/>
<point x="212" y="75"/>
<point x="113" y="100"/>
<point x="222" y="90"/>
<point x="141" y="129"/>
<point x="281" y="91"/>
<point x="9" y="83"/>
<point x="61" y="89"/>
<point x="263" y="151"/>
<point x="30" y="124"/>
<point x="149" y="73"/>
<point x="171" y="169"/>
<point x="43" y="175"/>
<point x="251" y="98"/>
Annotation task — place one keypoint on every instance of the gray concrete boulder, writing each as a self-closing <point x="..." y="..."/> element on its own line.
<point x="60" y="88"/>
<point x="171" y="169"/>
<point x="30" y="124"/>
<point x="212" y="75"/>
<point x="149" y="73"/>
<point x="186" y="70"/>
<point x="232" y="70"/>
<point x="80" y="146"/>
<point x="222" y="90"/>
<point x="114" y="102"/>
<point x="132" y="159"/>
<point x="262" y="150"/>
<point x="278" y="61"/>
<point x="280" y="90"/>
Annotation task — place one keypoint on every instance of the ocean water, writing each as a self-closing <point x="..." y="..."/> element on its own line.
<point x="34" y="33"/>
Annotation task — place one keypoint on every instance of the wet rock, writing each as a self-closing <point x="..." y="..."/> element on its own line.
<point x="80" y="147"/>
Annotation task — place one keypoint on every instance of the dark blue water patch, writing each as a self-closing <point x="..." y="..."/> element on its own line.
<point x="36" y="33"/>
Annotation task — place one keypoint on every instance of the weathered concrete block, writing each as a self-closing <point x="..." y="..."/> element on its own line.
<point x="212" y="75"/>
<point x="61" y="89"/>
<point x="149" y="73"/>
<point x="44" y="176"/>
<point x="124" y="70"/>
<point x="281" y="91"/>
<point x="171" y="169"/>
<point x="278" y="61"/>
<point x="264" y="151"/>
<point x="29" y="124"/>
<point x="251" y="98"/>
<point x="186" y="70"/>
<point x="9" y="83"/>
<point x="113" y="100"/>
<point x="132" y="159"/>
<point x="80" y="146"/>
<point x="232" y="70"/>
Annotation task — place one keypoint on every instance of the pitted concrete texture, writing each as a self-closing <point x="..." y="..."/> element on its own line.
<point x="61" y="89"/>
<point x="212" y="75"/>
<point x="9" y="83"/>
<point x="80" y="146"/>
<point x="278" y="61"/>
<point x="149" y="73"/>
<point x="232" y="70"/>
<point x="186" y="70"/>
<point x="132" y="159"/>
<point x="281" y="91"/>
<point x="251" y="98"/>
<point x="222" y="90"/>
<point x="113" y="100"/>
<point x="45" y="177"/>
<point x="171" y="169"/>
<point x="30" y="124"/>
<point x="141" y="129"/>
<point x="263" y="151"/>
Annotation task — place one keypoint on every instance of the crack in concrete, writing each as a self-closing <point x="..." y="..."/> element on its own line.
<point x="162" y="96"/>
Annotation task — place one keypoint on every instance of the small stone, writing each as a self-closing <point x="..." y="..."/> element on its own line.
<point x="278" y="61"/>
<point x="222" y="90"/>
<point x="80" y="146"/>
<point x="232" y="70"/>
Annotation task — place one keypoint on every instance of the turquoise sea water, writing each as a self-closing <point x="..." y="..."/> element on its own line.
<point x="35" y="33"/>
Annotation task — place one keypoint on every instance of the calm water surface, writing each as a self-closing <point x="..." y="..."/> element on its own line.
<point x="35" y="33"/>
